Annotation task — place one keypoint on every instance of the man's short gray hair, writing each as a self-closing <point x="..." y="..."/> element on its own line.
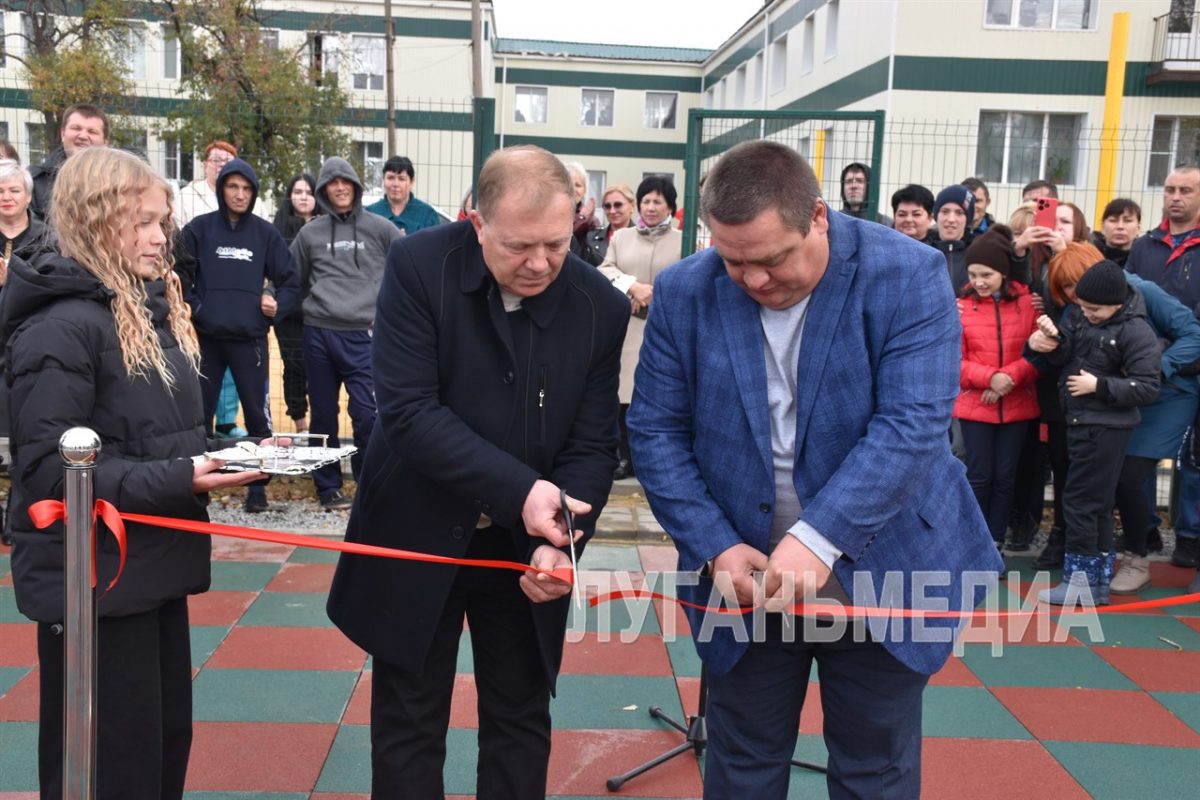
<point x="758" y="176"/>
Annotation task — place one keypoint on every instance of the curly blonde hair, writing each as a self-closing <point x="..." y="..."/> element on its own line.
<point x="97" y="196"/>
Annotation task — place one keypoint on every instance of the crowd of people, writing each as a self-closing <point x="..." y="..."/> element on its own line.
<point x="497" y="385"/>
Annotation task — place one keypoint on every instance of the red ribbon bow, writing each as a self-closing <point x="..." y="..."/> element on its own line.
<point x="45" y="513"/>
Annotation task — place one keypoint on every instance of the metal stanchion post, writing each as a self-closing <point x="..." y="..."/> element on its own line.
<point x="79" y="448"/>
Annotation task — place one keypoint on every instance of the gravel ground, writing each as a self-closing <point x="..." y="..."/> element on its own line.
<point x="293" y="508"/>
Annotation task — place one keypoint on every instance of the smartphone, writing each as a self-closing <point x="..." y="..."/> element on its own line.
<point x="1046" y="214"/>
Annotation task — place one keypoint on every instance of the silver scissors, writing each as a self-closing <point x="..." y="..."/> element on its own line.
<point x="569" y="519"/>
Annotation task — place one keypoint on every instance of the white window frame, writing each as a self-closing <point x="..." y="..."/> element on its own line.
<point x="1014" y="16"/>
<point x="583" y="90"/>
<point x="1044" y="146"/>
<point x="646" y="110"/>
<point x="531" y="90"/>
<point x="758" y="80"/>
<point x="808" y="44"/>
<point x="372" y="165"/>
<point x="167" y="145"/>
<point x="777" y="80"/>
<point x="832" y="14"/>
<point x="134" y="54"/>
<point x="597" y="183"/>
<point x="1173" y="155"/>
<point x="3" y="42"/>
<point x="710" y="98"/>
<point x="172" y="61"/>
<point x="34" y="130"/>
<point x="739" y="87"/>
<point x="326" y="38"/>
<point x="360" y="54"/>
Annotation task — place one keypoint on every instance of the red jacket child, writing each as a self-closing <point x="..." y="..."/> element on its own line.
<point x="994" y="332"/>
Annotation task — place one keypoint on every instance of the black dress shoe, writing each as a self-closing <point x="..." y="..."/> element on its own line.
<point x="256" y="502"/>
<point x="1052" y="554"/>
<point x="1187" y="552"/>
<point x="624" y="469"/>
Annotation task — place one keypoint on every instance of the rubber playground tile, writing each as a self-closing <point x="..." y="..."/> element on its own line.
<point x="206" y="639"/>
<point x="1166" y="574"/>
<point x="612" y="701"/>
<point x="658" y="558"/>
<point x="624" y="617"/>
<point x="1123" y="771"/>
<point x="348" y="767"/>
<point x="288" y="648"/>
<point x="8" y="606"/>
<point x="967" y="712"/>
<point x="1096" y="715"/>
<point x="1025" y="665"/>
<point x="239" y="695"/>
<point x="591" y="653"/>
<point x="1141" y="631"/>
<point x="245" y="796"/>
<point x="358" y="710"/>
<point x="1156" y="671"/>
<point x="954" y="673"/>
<point x="613" y="557"/>
<point x="257" y="756"/>
<point x="287" y="609"/>
<point x="242" y="576"/>
<point x="582" y="760"/>
<point x="993" y="769"/>
<point x="1184" y="610"/>
<point x="19" y="701"/>
<point x="684" y="658"/>
<point x="18" y="757"/>
<point x="10" y="677"/>
<point x="19" y="648"/>
<point x="1185" y="705"/>
<point x="302" y="578"/>
<point x="313" y="555"/>
<point x="223" y="608"/>
<point x="227" y="548"/>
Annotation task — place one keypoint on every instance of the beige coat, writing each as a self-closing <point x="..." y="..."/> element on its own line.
<point x="637" y="255"/>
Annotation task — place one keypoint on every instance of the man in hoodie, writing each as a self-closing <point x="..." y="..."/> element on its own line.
<point x="82" y="126"/>
<point x="229" y="254"/>
<point x="856" y="189"/>
<point x="340" y="256"/>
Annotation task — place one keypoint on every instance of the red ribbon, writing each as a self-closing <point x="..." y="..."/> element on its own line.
<point x="45" y="513"/>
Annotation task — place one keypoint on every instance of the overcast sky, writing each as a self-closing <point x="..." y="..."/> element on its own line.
<point x="666" y="23"/>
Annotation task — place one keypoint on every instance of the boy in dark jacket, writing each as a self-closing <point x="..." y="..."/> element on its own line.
<point x="1110" y="357"/>
<point x="229" y="254"/>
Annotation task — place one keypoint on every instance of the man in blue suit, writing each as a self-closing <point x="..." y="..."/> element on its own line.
<point x="789" y="417"/>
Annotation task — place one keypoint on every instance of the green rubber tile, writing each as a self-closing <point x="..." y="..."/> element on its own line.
<point x="1185" y="705"/>
<point x="311" y="555"/>
<point x="807" y="784"/>
<point x="613" y="557"/>
<point x="1141" y="630"/>
<point x="600" y="701"/>
<point x="348" y="767"/>
<point x="18" y="757"/>
<point x="1120" y="772"/>
<point x="968" y="712"/>
<point x="466" y="654"/>
<point x="5" y="565"/>
<point x="629" y="617"/>
<point x="245" y="796"/>
<point x="287" y="610"/>
<point x="8" y="606"/>
<point x="242" y="576"/>
<point x="278" y="695"/>
<point x="10" y="676"/>
<point x="684" y="661"/>
<point x="1051" y="666"/>
<point x="1159" y="592"/>
<point x="205" y="640"/>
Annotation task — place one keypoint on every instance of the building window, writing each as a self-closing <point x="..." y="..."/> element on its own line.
<point x="660" y="110"/>
<point x="1175" y="140"/>
<point x="779" y="56"/>
<point x="808" y="45"/>
<point x="170" y="159"/>
<point x="170" y="54"/>
<point x="1059" y="15"/>
<point x="756" y="81"/>
<point x="368" y="55"/>
<point x="1016" y="148"/>
<point x="4" y="127"/>
<point x="129" y="45"/>
<point x="35" y="143"/>
<point x="530" y="105"/>
<point x="371" y="156"/>
<point x="831" y="29"/>
<point x="710" y="97"/>
<point x="323" y="56"/>
<point x="597" y="182"/>
<point x="668" y="175"/>
<point x="3" y="46"/>
<point x="596" y="108"/>
<point x="739" y="87"/>
<point x="269" y="38"/>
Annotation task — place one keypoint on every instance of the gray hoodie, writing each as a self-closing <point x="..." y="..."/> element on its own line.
<point x="341" y="257"/>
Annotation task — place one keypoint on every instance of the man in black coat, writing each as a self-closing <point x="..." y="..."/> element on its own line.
<point x="497" y="359"/>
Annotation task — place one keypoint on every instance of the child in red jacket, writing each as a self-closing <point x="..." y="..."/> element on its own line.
<point x="998" y="398"/>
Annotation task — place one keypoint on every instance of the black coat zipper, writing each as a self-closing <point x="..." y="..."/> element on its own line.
<point x="542" y="408"/>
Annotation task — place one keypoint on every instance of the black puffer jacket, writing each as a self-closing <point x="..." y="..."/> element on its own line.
<point x="1123" y="353"/>
<point x="64" y="369"/>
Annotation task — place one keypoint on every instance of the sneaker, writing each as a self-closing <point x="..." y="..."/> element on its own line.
<point x="336" y="501"/>
<point x="230" y="433"/>
<point x="1187" y="552"/>
<point x="1133" y="576"/>
<point x="256" y="502"/>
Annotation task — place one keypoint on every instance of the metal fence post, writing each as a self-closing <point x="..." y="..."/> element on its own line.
<point x="79" y="448"/>
<point x="483" y="131"/>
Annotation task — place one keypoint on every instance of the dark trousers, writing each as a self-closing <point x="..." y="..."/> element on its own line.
<point x="993" y="452"/>
<point x="1060" y="463"/>
<point x="1029" y="488"/>
<point x="410" y="713"/>
<point x="1096" y="455"/>
<point x="247" y="360"/>
<point x="333" y="358"/>
<point x="872" y="708"/>
<point x="1137" y="512"/>
<point x="143" y="706"/>
<point x="289" y="333"/>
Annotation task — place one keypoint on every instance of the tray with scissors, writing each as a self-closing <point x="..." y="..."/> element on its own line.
<point x="280" y="458"/>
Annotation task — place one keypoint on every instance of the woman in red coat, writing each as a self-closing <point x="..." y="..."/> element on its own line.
<point x="998" y="398"/>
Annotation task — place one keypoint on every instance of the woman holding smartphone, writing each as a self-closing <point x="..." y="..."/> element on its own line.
<point x="98" y="335"/>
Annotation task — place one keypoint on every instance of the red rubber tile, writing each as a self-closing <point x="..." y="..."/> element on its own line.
<point x="20" y="703"/>
<point x="258" y="756"/>
<point x="226" y="548"/>
<point x="1157" y="670"/>
<point x="464" y="705"/>
<point x="689" y="694"/>
<point x="645" y="655"/>
<point x="1091" y="715"/>
<point x="20" y="645"/>
<point x="287" y="648"/>
<point x="582" y="760"/>
<point x="993" y="769"/>
<point x="358" y="710"/>
<point x="1163" y="573"/>
<point x="303" y="578"/>
<point x="5" y="580"/>
<point x="954" y="673"/>
<point x="1038" y="628"/>
<point x="219" y="608"/>
<point x="1191" y="622"/>
<point x="658" y="558"/>
<point x="812" y="716"/>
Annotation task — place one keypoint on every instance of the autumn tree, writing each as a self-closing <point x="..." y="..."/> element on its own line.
<point x="243" y="85"/>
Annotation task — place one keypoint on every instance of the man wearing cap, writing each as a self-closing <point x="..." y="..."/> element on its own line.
<point x="953" y="210"/>
<point x="398" y="205"/>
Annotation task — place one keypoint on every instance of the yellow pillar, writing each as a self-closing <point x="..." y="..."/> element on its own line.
<point x="1114" y="94"/>
<point x="818" y="160"/>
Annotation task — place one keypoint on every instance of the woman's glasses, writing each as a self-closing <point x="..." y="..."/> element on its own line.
<point x="613" y="206"/>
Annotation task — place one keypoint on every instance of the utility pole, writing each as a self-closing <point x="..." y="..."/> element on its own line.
<point x="390" y="78"/>
<point x="476" y="49"/>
